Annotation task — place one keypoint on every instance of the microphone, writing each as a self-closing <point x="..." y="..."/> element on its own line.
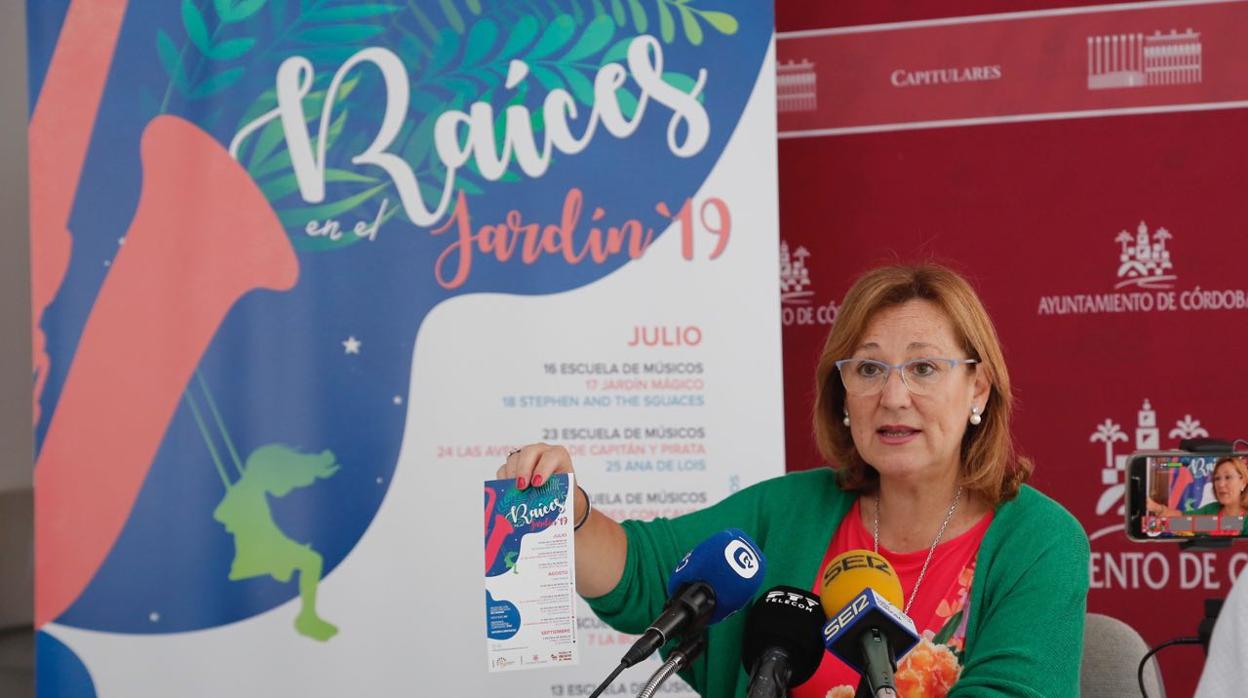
<point x="855" y="570"/>
<point x="783" y="641"/>
<point x="713" y="581"/>
<point x="866" y="629"/>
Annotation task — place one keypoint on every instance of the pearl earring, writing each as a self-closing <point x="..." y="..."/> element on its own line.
<point x="975" y="418"/>
<point x="845" y="421"/>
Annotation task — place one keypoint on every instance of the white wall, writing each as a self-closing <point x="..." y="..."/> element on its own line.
<point x="15" y="376"/>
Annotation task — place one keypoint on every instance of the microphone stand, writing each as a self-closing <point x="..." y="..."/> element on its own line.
<point x="770" y="675"/>
<point x="680" y="658"/>
<point x="877" y="677"/>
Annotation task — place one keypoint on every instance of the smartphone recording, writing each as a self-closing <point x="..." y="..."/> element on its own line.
<point x="1180" y="496"/>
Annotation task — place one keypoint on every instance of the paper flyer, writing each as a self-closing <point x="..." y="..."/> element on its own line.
<point x="530" y="575"/>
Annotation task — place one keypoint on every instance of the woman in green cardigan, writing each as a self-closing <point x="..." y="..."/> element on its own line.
<point x="913" y="408"/>
<point x="1230" y="495"/>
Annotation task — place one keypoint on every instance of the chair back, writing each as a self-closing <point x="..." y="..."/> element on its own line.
<point x="1112" y="651"/>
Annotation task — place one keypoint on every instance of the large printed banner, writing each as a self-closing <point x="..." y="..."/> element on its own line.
<point x="1085" y="168"/>
<point x="305" y="270"/>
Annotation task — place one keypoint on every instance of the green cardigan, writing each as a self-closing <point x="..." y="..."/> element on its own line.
<point x="1028" y="598"/>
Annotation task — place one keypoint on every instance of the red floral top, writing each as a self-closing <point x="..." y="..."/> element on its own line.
<point x="932" y="667"/>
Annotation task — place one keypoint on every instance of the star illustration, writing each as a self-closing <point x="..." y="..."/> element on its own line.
<point x="352" y="345"/>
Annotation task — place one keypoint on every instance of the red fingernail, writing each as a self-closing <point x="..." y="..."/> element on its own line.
<point x="520" y="483"/>
<point x="537" y="480"/>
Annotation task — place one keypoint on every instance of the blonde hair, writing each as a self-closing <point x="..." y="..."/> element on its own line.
<point x="990" y="465"/>
<point x="1241" y="467"/>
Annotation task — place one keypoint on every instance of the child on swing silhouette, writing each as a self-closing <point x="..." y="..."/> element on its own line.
<point x="260" y="547"/>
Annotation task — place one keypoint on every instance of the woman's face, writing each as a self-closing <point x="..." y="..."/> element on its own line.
<point x="909" y="436"/>
<point x="1228" y="484"/>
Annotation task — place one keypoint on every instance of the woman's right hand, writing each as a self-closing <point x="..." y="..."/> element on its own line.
<point x="1156" y="508"/>
<point x="534" y="464"/>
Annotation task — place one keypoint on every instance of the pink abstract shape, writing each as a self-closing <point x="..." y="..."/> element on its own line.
<point x="496" y="534"/>
<point x="60" y="134"/>
<point x="491" y="498"/>
<point x="1178" y="484"/>
<point x="203" y="235"/>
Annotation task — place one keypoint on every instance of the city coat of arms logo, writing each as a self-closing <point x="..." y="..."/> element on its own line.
<point x="1144" y="260"/>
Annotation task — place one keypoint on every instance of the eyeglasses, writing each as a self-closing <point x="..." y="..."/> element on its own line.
<point x="867" y="377"/>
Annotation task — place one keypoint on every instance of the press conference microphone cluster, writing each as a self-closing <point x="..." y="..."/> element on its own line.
<point x="861" y="594"/>
<point x="714" y="580"/>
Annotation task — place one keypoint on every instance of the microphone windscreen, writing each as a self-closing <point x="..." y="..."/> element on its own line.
<point x="730" y="563"/>
<point x="847" y="574"/>
<point x="790" y="619"/>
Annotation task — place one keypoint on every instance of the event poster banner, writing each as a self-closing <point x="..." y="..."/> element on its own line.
<point x="303" y="272"/>
<point x="1085" y="167"/>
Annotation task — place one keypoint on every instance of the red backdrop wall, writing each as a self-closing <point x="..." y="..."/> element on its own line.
<point x="1020" y="149"/>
